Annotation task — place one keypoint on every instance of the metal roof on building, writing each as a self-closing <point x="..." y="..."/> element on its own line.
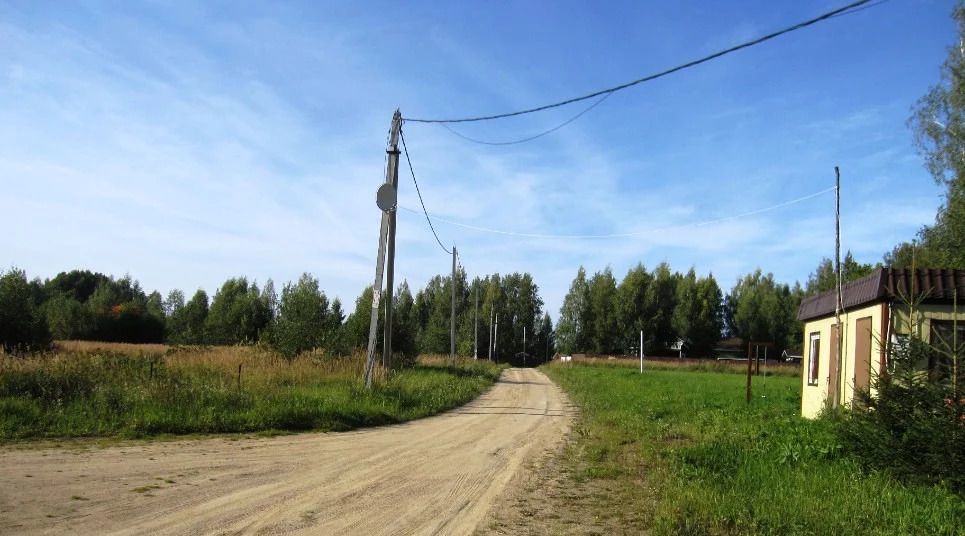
<point x="928" y="284"/>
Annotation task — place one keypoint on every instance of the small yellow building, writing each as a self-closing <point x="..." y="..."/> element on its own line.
<point x="875" y="310"/>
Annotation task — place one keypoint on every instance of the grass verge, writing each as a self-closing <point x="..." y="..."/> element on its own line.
<point x="680" y="452"/>
<point x="100" y="393"/>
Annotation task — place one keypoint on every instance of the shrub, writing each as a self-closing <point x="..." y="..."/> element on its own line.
<point x="914" y="425"/>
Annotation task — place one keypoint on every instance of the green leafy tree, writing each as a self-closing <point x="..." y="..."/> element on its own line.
<point x="763" y="310"/>
<point x="67" y="318"/>
<point x="661" y="302"/>
<point x="707" y="325"/>
<point x="435" y="305"/>
<point x="303" y="321"/>
<point x="604" y="335"/>
<point x="237" y="313"/>
<point x="573" y="330"/>
<point x="490" y="303"/>
<point x="405" y="325"/>
<point x="545" y="341"/>
<point x="193" y="320"/>
<point x="23" y="327"/>
<point x="938" y="123"/>
<point x="335" y="340"/>
<point x="119" y="309"/>
<point x="76" y="284"/>
<point x="356" y="328"/>
<point x="269" y="299"/>
<point x="633" y="309"/>
<point x="174" y="316"/>
<point x="823" y="278"/>
<point x="697" y="315"/>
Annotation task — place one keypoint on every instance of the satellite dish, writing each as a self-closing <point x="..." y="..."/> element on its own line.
<point x="385" y="198"/>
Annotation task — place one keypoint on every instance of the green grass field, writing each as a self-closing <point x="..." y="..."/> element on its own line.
<point x="680" y="452"/>
<point x="152" y="391"/>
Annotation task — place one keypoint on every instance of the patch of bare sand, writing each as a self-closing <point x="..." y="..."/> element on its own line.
<point x="439" y="475"/>
<point x="554" y="495"/>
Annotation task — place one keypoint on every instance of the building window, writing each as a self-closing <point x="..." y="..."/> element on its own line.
<point x="946" y="339"/>
<point x="814" y="358"/>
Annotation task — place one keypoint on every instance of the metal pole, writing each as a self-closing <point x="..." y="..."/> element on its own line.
<point x="838" y="305"/>
<point x="524" y="346"/>
<point x="489" y="343"/>
<point x="496" y="337"/>
<point x="475" y="327"/>
<point x="641" y="351"/>
<point x="749" y="370"/>
<point x="452" y="317"/>
<point x="391" y="171"/>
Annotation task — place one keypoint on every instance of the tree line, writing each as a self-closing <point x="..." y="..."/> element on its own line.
<point x="86" y="305"/>
<point x="600" y="315"/>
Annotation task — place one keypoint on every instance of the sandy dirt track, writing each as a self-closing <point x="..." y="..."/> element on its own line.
<point x="439" y="475"/>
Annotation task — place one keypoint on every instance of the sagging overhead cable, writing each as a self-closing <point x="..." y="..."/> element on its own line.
<point x="533" y="137"/>
<point x="421" y="202"/>
<point x="853" y="6"/>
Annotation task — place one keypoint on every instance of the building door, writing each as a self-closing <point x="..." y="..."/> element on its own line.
<point x="862" y="354"/>
<point x="833" y="368"/>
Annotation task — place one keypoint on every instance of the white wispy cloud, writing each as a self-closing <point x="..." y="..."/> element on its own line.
<point x="184" y="146"/>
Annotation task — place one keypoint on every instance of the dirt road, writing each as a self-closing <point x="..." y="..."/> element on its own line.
<point x="434" y="476"/>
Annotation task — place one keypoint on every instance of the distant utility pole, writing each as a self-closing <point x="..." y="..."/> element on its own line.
<point x="524" y="346"/>
<point x="475" y="325"/>
<point x="489" y="342"/>
<point x="452" y="317"/>
<point x="496" y="336"/>
<point x="385" y="199"/>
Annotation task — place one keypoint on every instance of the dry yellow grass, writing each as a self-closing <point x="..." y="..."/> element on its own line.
<point x="119" y="347"/>
<point x="97" y="389"/>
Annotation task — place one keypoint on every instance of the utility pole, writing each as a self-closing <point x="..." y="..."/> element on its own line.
<point x="390" y="268"/>
<point x="489" y="342"/>
<point x="838" y="304"/>
<point x="452" y="317"/>
<point x="475" y="326"/>
<point x="496" y="336"/>
<point x="386" y="200"/>
<point x="524" y="345"/>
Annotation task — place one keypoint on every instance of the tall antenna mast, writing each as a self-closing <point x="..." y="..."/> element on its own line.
<point x="839" y="301"/>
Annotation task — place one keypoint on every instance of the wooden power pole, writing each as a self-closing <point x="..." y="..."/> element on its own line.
<point x="386" y="201"/>
<point x="475" y="324"/>
<point x="490" y="341"/>
<point x="452" y="316"/>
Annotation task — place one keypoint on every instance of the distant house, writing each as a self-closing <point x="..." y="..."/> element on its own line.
<point x="681" y="347"/>
<point x="730" y="348"/>
<point x="874" y="311"/>
<point x="791" y="356"/>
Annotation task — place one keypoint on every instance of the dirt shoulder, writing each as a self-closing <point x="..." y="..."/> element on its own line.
<point x="437" y="475"/>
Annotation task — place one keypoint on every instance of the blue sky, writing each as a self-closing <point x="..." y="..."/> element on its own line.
<point x="185" y="143"/>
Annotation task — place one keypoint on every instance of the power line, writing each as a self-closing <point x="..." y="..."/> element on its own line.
<point x="631" y="234"/>
<point x="421" y="202"/>
<point x="533" y="137"/>
<point x="746" y="44"/>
